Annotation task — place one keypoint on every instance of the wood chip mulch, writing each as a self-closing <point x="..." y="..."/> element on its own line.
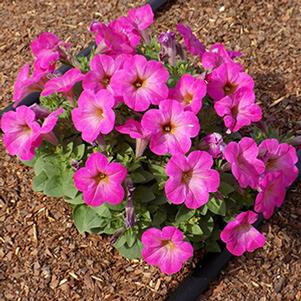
<point x="42" y="256"/>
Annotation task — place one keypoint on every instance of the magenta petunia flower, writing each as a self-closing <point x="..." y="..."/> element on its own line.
<point x="63" y="84"/>
<point x="190" y="92"/>
<point x="218" y="55"/>
<point x="94" y="114"/>
<point x="240" y="236"/>
<point x="142" y="17"/>
<point x="25" y="84"/>
<point x="101" y="181"/>
<point x="22" y="133"/>
<point x="226" y="80"/>
<point x="271" y="194"/>
<point x="191" y="179"/>
<point x="191" y="42"/>
<point x="280" y="157"/>
<point x="171" y="127"/>
<point x="214" y="144"/>
<point x="245" y="165"/>
<point x="141" y="83"/>
<point x="166" y="249"/>
<point x="239" y="109"/>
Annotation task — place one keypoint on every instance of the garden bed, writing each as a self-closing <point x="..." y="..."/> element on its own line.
<point x="152" y="285"/>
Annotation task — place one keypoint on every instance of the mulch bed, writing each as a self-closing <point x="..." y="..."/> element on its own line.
<point x="42" y="256"/>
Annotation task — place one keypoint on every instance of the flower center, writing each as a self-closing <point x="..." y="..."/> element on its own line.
<point x="229" y="88"/>
<point x="169" y="244"/>
<point x="106" y="80"/>
<point x="186" y="176"/>
<point x="234" y="110"/>
<point x="188" y="98"/>
<point x="26" y="129"/>
<point x="138" y="83"/>
<point x="100" y="177"/>
<point x="99" y="112"/>
<point x="168" y="128"/>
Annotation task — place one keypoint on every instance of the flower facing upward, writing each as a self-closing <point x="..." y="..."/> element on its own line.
<point x="142" y="17"/>
<point x="166" y="249"/>
<point x="191" y="179"/>
<point x="245" y="165"/>
<point x="271" y="194"/>
<point x="240" y="236"/>
<point x="141" y="83"/>
<point x="94" y="114"/>
<point x="226" y="80"/>
<point x="171" y="127"/>
<point x="192" y="43"/>
<point x="190" y="92"/>
<point x="239" y="109"/>
<point x="100" y="181"/>
<point x="280" y="157"/>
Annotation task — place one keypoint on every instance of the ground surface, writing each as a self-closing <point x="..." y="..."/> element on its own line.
<point x="42" y="257"/>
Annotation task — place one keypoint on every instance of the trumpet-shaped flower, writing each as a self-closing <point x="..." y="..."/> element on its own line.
<point x="280" y="157"/>
<point x="100" y="181"/>
<point x="166" y="249"/>
<point x="245" y="165"/>
<point x="271" y="194"/>
<point x="240" y="236"/>
<point x="214" y="144"/>
<point x="63" y="84"/>
<point x="239" y="109"/>
<point x="142" y="17"/>
<point x="226" y="80"/>
<point x="141" y="83"/>
<point x="191" y="42"/>
<point x="191" y="179"/>
<point x="171" y="127"/>
<point x="190" y="92"/>
<point x="94" y="114"/>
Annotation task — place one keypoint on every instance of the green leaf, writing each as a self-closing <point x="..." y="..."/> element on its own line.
<point x="228" y="184"/>
<point x="143" y="194"/>
<point x="69" y="189"/>
<point x="196" y="230"/>
<point x="29" y="163"/>
<point x="130" y="237"/>
<point x="39" y="165"/>
<point x="75" y="201"/>
<point x="212" y="246"/>
<point x="54" y="187"/>
<point x="131" y="252"/>
<point x="217" y="206"/>
<point x="184" y="214"/>
<point x="207" y="225"/>
<point x="39" y="181"/>
<point x="85" y="218"/>
<point x="103" y="211"/>
<point x="159" y="217"/>
<point x="79" y="151"/>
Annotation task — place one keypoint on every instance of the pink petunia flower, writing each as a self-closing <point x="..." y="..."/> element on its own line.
<point x="245" y="165"/>
<point x="217" y="55"/>
<point x="64" y="84"/>
<point x="141" y="83"/>
<point x="25" y="84"/>
<point x="100" y="181"/>
<point x="271" y="194"/>
<point x="171" y="127"/>
<point x="192" y="43"/>
<point x="142" y="17"/>
<point x="226" y="80"/>
<point x="190" y="92"/>
<point x="239" y="109"/>
<point x="94" y="114"/>
<point x="240" y="236"/>
<point x="191" y="179"/>
<point x="214" y="144"/>
<point x="166" y="249"/>
<point x="280" y="157"/>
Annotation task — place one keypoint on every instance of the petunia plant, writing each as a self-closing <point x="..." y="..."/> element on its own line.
<point x="154" y="140"/>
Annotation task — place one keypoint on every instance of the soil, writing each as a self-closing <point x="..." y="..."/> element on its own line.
<point x="43" y="257"/>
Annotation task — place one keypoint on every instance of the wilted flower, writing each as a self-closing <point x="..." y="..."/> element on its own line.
<point x="171" y="127"/>
<point x="94" y="114"/>
<point x="240" y="236"/>
<point x="191" y="179"/>
<point x="166" y="249"/>
<point x="214" y="144"/>
<point x="100" y="181"/>
<point x="141" y="83"/>
<point x="245" y="165"/>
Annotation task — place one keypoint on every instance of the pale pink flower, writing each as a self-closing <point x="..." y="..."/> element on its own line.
<point x="226" y="80"/>
<point x="141" y="83"/>
<point x="191" y="179"/>
<point x="239" y="109"/>
<point x="191" y="42"/>
<point x="166" y="249"/>
<point x="100" y="181"/>
<point x="271" y="194"/>
<point x="94" y="114"/>
<point x="214" y="144"/>
<point x="240" y="236"/>
<point x="245" y="165"/>
<point x="280" y="157"/>
<point x="142" y="17"/>
<point x="189" y="91"/>
<point x="171" y="127"/>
